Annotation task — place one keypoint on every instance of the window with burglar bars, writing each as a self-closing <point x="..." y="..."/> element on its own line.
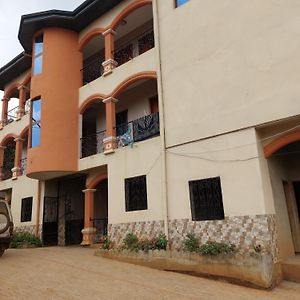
<point x="26" y="210"/>
<point x="136" y="193"/>
<point x="206" y="199"/>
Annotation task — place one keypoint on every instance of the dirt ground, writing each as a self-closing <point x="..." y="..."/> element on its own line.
<point x="74" y="273"/>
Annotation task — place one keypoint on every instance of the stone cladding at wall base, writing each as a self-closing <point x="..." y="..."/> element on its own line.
<point x="29" y="228"/>
<point x="243" y="231"/>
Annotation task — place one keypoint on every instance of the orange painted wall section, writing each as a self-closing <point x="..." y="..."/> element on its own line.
<point x="58" y="85"/>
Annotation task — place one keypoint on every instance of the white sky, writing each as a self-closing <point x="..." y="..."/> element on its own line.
<point x="10" y="16"/>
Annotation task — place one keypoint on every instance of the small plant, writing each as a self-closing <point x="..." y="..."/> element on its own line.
<point x="215" y="248"/>
<point x="147" y="244"/>
<point x="131" y="242"/>
<point x="161" y="242"/>
<point x="106" y="243"/>
<point x="191" y="243"/>
<point x="21" y="239"/>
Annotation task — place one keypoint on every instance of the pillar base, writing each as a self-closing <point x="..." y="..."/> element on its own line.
<point x="108" y="66"/>
<point x="88" y="236"/>
<point x="20" y="113"/>
<point x="110" y="144"/>
<point x="15" y="173"/>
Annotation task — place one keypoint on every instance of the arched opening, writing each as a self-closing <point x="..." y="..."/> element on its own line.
<point x="93" y="128"/>
<point x="13" y="105"/>
<point x="8" y="158"/>
<point x="137" y="112"/>
<point x="101" y="209"/>
<point x="93" y="53"/>
<point x="284" y="170"/>
<point x="23" y="161"/>
<point x="135" y="35"/>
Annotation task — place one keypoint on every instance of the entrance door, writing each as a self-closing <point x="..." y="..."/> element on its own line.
<point x="292" y="194"/>
<point x="50" y="221"/>
<point x="70" y="192"/>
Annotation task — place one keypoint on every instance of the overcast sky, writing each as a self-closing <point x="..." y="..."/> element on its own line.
<point x="10" y="15"/>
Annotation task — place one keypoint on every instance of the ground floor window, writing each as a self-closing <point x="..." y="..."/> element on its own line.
<point x="26" y="210"/>
<point x="206" y="199"/>
<point x="136" y="193"/>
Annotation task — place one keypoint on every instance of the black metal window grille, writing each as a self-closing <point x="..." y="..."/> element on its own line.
<point x="206" y="199"/>
<point x="26" y="210"/>
<point x="136" y="193"/>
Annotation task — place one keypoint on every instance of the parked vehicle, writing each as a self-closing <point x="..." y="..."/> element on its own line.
<point x="6" y="226"/>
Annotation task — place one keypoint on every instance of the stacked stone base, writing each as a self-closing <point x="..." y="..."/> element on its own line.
<point x="245" y="232"/>
<point x="29" y="228"/>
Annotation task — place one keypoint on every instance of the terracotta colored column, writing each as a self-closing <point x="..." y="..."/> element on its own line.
<point x="110" y="142"/>
<point x="2" y="149"/>
<point x="88" y="232"/>
<point x="16" y="170"/>
<point x="4" y="111"/>
<point x="22" y="100"/>
<point x="109" y="41"/>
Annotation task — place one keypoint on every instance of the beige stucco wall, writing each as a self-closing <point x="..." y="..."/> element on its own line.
<point x="143" y="158"/>
<point x="228" y="66"/>
<point x="21" y="188"/>
<point x="233" y="157"/>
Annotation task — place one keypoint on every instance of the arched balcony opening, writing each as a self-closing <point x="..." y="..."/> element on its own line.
<point x="93" y="129"/>
<point x="134" y="32"/>
<point x="23" y="160"/>
<point x="8" y="163"/>
<point x="12" y="106"/>
<point x="93" y="53"/>
<point x="137" y="112"/>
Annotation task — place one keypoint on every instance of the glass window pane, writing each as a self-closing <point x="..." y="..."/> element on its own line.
<point x="36" y="123"/>
<point x="180" y="2"/>
<point x="38" y="46"/>
<point x="38" y="65"/>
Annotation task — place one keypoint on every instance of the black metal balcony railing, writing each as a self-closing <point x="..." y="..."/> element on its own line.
<point x="5" y="172"/>
<point x="92" y="70"/>
<point x="12" y="114"/>
<point x="92" y="144"/>
<point x="23" y="165"/>
<point x="138" y="130"/>
<point x="134" y="47"/>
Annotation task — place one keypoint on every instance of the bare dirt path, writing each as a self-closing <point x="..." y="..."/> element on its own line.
<point x="74" y="273"/>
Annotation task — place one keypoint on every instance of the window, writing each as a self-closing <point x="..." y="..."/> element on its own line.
<point x="180" y="2"/>
<point x="136" y="193"/>
<point x="206" y="199"/>
<point x="38" y="55"/>
<point x="36" y="123"/>
<point x="26" y="210"/>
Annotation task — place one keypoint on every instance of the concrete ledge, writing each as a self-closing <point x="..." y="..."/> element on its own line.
<point x="258" y="270"/>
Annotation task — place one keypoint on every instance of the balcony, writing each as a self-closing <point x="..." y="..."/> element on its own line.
<point x="127" y="133"/>
<point x="14" y="113"/>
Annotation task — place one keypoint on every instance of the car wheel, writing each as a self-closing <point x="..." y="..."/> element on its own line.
<point x="4" y="222"/>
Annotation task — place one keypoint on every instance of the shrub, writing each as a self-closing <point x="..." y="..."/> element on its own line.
<point x="215" y="248"/>
<point x="20" y="239"/>
<point x="147" y="244"/>
<point x="191" y="243"/>
<point x="161" y="242"/>
<point x="106" y="243"/>
<point x="131" y="242"/>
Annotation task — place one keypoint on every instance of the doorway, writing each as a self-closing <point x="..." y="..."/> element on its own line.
<point x="292" y="194"/>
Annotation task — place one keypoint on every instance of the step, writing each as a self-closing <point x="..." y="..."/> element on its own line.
<point x="291" y="269"/>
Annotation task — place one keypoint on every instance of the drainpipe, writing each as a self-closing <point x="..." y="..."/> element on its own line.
<point x="161" y="122"/>
<point x="38" y="207"/>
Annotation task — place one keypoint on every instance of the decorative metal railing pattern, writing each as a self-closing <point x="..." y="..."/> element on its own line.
<point x="92" y="70"/>
<point x="5" y="172"/>
<point x="23" y="165"/>
<point x="138" y="130"/>
<point x="12" y="114"/>
<point x="92" y="144"/>
<point x="135" y="47"/>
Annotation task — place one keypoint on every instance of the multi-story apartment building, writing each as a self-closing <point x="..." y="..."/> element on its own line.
<point x="156" y="116"/>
